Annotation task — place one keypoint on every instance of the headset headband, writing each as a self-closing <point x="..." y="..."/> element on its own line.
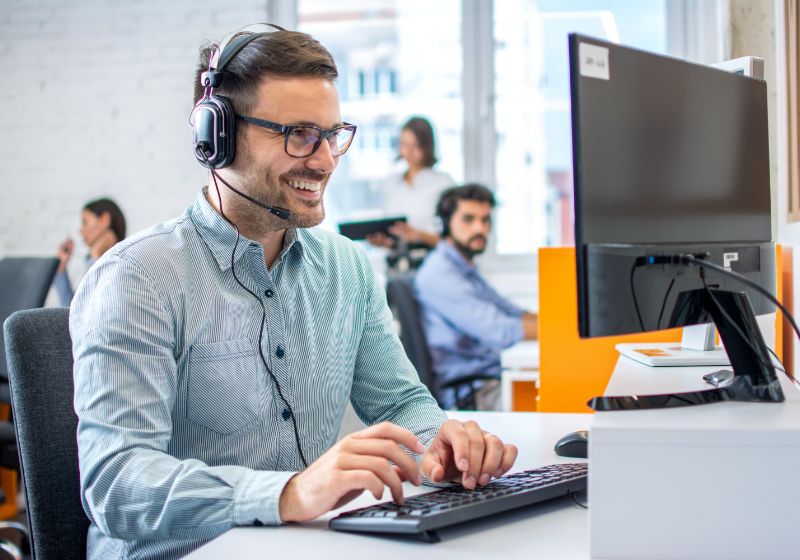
<point x="229" y="48"/>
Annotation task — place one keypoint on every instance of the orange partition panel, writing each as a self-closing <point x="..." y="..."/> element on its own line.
<point x="572" y="370"/>
<point x="784" y="332"/>
<point x="8" y="479"/>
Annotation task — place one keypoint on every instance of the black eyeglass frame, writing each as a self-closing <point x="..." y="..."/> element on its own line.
<point x="286" y="129"/>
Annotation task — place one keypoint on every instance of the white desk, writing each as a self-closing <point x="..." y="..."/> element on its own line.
<point x="523" y="355"/>
<point x="520" y="363"/>
<point x="717" y="477"/>
<point x="553" y="530"/>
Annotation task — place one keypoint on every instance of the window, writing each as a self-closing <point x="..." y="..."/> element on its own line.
<point x="396" y="59"/>
<point x="399" y="58"/>
<point x="532" y="106"/>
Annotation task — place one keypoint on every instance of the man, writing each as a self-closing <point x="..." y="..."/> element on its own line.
<point x="215" y="353"/>
<point x="467" y="323"/>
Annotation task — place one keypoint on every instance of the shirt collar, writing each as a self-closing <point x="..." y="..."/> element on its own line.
<point x="455" y="256"/>
<point x="220" y="235"/>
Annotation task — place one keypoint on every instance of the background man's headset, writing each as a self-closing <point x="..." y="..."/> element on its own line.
<point x="213" y="122"/>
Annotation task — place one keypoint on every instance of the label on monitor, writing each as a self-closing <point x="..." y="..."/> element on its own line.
<point x="594" y="61"/>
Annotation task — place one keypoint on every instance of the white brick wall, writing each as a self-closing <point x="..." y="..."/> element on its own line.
<point x="94" y="101"/>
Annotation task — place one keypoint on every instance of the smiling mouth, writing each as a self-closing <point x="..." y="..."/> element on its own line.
<point x="304" y="185"/>
<point x="305" y="188"/>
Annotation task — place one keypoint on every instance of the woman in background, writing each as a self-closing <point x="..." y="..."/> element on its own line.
<point x="413" y="193"/>
<point x="102" y="227"/>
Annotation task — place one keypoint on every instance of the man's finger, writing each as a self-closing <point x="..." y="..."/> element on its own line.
<point x="362" y="480"/>
<point x="387" y="450"/>
<point x="492" y="457"/>
<point x="379" y="467"/>
<point x="387" y="430"/>
<point x="432" y="466"/>
<point x="509" y="456"/>
<point x="476" y="447"/>
<point x="452" y="433"/>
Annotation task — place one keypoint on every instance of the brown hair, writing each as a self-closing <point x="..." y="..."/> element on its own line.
<point x="279" y="53"/>
<point x="448" y="201"/>
<point x="106" y="205"/>
<point x="423" y="131"/>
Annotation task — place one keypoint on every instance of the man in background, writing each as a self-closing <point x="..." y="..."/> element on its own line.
<point x="467" y="323"/>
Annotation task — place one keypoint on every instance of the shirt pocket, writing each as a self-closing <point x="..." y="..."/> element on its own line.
<point x="223" y="389"/>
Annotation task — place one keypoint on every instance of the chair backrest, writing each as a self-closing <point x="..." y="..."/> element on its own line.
<point x="24" y="283"/>
<point x="400" y="295"/>
<point x="39" y="353"/>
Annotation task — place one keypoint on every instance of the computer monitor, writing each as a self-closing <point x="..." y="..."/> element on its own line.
<point x="671" y="167"/>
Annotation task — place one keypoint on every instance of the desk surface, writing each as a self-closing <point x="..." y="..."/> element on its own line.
<point x="523" y="355"/>
<point x="553" y="530"/>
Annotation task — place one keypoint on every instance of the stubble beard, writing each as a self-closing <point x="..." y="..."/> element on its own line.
<point x="270" y="189"/>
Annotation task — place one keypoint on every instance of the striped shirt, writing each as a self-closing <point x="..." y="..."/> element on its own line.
<point x="182" y="434"/>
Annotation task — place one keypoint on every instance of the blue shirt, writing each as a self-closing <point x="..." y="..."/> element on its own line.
<point x="63" y="286"/>
<point x="467" y="323"/>
<point x="181" y="433"/>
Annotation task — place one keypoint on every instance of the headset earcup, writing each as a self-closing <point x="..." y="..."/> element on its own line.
<point x="214" y="132"/>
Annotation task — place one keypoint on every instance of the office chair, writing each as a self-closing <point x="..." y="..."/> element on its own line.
<point x="400" y="296"/>
<point x="39" y="351"/>
<point x="24" y="283"/>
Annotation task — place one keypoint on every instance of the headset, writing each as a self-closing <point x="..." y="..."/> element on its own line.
<point x="445" y="208"/>
<point x="213" y="122"/>
<point x="213" y="118"/>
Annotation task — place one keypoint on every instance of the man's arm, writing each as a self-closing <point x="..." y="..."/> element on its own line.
<point x="455" y="298"/>
<point x="123" y="332"/>
<point x="530" y="326"/>
<point x="385" y="385"/>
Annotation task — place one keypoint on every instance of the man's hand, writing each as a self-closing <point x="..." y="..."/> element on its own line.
<point x="358" y="462"/>
<point x="463" y="451"/>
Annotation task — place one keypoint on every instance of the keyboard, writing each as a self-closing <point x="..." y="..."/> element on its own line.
<point x="423" y="514"/>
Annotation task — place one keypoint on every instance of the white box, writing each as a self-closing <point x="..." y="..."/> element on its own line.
<point x="714" y="481"/>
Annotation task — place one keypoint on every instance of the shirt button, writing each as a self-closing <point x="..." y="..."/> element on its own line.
<point x="269" y="293"/>
<point x="286" y="414"/>
<point x="258" y="523"/>
<point x="279" y="352"/>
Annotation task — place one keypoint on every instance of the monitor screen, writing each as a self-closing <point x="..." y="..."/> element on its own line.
<point x="668" y="157"/>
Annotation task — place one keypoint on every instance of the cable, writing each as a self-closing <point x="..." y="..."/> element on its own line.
<point x="577" y="502"/>
<point x="664" y="303"/>
<point x="761" y="357"/>
<point x="263" y="316"/>
<point x="635" y="301"/>
<point x="786" y="314"/>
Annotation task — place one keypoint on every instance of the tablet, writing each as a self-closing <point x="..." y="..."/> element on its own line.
<point x="360" y="230"/>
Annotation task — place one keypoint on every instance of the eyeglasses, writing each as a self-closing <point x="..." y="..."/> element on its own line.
<point x="301" y="141"/>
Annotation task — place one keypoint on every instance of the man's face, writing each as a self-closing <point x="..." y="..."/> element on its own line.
<point x="262" y="167"/>
<point x="470" y="226"/>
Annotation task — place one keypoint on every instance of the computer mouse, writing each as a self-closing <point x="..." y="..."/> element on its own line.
<point x="574" y="444"/>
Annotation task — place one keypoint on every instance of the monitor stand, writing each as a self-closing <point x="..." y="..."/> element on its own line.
<point x="696" y="348"/>
<point x="753" y="377"/>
